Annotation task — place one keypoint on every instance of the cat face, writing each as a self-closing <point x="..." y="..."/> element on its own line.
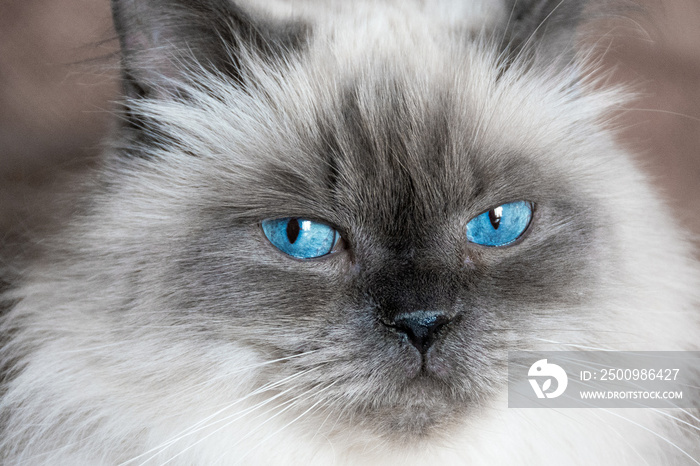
<point x="404" y="326"/>
<point x="318" y="232"/>
<point x="401" y="199"/>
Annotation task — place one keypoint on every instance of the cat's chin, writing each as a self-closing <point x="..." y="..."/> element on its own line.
<point x="424" y="418"/>
<point x="416" y="409"/>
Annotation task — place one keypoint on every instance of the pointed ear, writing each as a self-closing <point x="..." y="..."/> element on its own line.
<point x="162" y="41"/>
<point x="543" y="31"/>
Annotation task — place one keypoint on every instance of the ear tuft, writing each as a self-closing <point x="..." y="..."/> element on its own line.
<point x="542" y="30"/>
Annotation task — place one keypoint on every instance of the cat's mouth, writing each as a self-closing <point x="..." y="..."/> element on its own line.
<point x="423" y="408"/>
<point x="423" y="368"/>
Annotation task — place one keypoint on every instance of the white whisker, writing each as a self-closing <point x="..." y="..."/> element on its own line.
<point x="202" y="424"/>
<point x="289" y="423"/>
<point x="289" y="403"/>
<point x="661" y="437"/>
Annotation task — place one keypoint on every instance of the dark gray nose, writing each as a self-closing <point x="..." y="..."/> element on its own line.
<point x="421" y="327"/>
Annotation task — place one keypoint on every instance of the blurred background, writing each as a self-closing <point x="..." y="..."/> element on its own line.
<point x="58" y="79"/>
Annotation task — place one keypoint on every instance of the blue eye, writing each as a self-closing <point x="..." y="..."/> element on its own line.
<point x="300" y="238"/>
<point x="501" y="225"/>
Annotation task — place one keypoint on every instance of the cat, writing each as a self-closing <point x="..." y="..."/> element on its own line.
<point x="319" y="229"/>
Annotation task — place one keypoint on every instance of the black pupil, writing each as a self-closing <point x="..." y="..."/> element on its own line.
<point x="494" y="217"/>
<point x="293" y="230"/>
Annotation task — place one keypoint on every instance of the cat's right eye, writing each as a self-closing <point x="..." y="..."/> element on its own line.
<point x="301" y="238"/>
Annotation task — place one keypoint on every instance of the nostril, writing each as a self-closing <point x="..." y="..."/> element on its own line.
<point x="420" y="326"/>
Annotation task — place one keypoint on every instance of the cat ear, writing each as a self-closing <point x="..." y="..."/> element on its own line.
<point x="163" y="41"/>
<point x="543" y="31"/>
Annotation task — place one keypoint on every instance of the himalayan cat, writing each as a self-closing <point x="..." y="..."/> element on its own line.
<point x="319" y="228"/>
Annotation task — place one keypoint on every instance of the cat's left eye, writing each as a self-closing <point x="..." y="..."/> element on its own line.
<point x="501" y="225"/>
<point x="301" y="238"/>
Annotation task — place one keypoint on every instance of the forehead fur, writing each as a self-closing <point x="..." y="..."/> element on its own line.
<point x="473" y="15"/>
<point x="360" y="104"/>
